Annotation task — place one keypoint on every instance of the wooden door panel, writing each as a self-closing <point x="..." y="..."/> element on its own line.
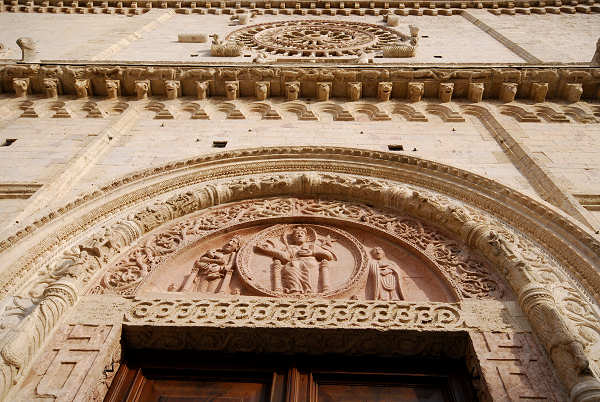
<point x="379" y="393"/>
<point x="208" y="377"/>
<point x="207" y="391"/>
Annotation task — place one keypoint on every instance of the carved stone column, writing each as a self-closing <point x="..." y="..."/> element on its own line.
<point x="277" y="266"/>
<point x="20" y="346"/>
<point x="565" y="351"/>
<point x="324" y="267"/>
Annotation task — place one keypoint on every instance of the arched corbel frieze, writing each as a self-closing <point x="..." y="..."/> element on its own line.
<point x="545" y="290"/>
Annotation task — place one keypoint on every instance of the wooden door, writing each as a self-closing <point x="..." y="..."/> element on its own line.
<point x="187" y="377"/>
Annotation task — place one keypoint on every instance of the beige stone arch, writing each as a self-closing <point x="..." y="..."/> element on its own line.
<point x="535" y="247"/>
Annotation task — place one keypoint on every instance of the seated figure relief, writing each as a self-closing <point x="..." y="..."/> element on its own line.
<point x="300" y="258"/>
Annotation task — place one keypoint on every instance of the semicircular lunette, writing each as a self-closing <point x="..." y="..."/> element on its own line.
<point x="304" y="248"/>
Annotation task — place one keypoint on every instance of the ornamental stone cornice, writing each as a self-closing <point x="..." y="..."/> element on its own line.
<point x="335" y="7"/>
<point x="232" y="81"/>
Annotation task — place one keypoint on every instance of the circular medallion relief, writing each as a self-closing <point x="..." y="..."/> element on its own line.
<point x="315" y="38"/>
<point x="302" y="260"/>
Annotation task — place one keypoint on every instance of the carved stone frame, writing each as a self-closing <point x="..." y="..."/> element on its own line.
<point x="556" y="288"/>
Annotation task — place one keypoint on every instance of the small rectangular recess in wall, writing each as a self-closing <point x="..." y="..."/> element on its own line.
<point x="219" y="144"/>
<point x="591" y="202"/>
<point x="18" y="190"/>
<point x="8" y="142"/>
<point x="395" y="147"/>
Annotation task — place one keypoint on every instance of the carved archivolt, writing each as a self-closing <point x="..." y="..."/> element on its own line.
<point x="556" y="304"/>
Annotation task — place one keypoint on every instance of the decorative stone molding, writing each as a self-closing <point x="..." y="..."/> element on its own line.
<point x="202" y="82"/>
<point x="336" y="7"/>
<point x="273" y="313"/>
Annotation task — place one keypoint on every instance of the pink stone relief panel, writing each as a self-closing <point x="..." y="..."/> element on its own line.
<point x="300" y="260"/>
<point x="290" y="247"/>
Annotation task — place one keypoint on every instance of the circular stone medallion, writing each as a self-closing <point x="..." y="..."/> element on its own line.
<point x="315" y="38"/>
<point x="302" y="261"/>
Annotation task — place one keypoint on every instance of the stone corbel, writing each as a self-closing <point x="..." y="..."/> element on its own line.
<point x="113" y="88"/>
<point x="573" y="92"/>
<point x="354" y="91"/>
<point x="323" y="91"/>
<point x="292" y="90"/>
<point x="384" y="91"/>
<point x="21" y="87"/>
<point x="476" y="92"/>
<point x="51" y="87"/>
<point x="445" y="91"/>
<point x="508" y="91"/>
<point x="142" y="89"/>
<point x="83" y="88"/>
<point x="202" y="89"/>
<point x="172" y="89"/>
<point x="415" y="91"/>
<point x="232" y="89"/>
<point x="539" y="90"/>
<point x="262" y="90"/>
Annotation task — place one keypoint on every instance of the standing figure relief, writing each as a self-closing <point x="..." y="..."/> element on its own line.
<point x="300" y="260"/>
<point x="385" y="277"/>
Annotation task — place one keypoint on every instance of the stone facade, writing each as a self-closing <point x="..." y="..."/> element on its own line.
<point x="425" y="189"/>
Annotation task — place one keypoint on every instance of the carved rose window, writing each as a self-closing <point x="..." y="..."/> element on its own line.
<point x="315" y="38"/>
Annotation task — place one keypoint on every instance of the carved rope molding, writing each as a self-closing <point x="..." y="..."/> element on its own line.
<point x="537" y="279"/>
<point x="286" y="313"/>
